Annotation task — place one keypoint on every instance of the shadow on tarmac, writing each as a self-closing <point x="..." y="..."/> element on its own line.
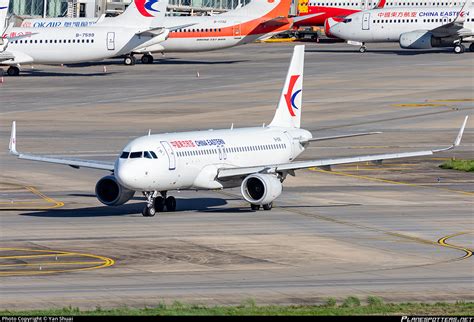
<point x="190" y="204"/>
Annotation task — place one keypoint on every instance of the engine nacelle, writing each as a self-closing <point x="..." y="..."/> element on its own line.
<point x="261" y="189"/>
<point x="416" y="40"/>
<point x="111" y="193"/>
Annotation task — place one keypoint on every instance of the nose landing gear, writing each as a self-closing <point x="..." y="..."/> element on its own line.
<point x="156" y="203"/>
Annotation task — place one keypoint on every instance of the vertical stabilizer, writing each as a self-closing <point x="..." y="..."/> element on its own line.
<point x="288" y="113"/>
<point x="141" y="13"/>
<point x="4" y="4"/>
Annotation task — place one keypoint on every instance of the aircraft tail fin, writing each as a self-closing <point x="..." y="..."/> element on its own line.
<point x="4" y="5"/>
<point x="141" y="13"/>
<point x="288" y="112"/>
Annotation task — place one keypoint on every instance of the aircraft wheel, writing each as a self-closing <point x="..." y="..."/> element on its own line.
<point x="362" y="49"/>
<point x="13" y="71"/>
<point x="268" y="206"/>
<point x="471" y="48"/>
<point x="254" y="207"/>
<point x="147" y="59"/>
<point x="129" y="60"/>
<point x="170" y="203"/>
<point x="459" y="49"/>
<point x="159" y="204"/>
<point x="149" y="211"/>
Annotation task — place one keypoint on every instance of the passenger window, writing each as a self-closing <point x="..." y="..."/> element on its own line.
<point x="124" y="155"/>
<point x="136" y="155"/>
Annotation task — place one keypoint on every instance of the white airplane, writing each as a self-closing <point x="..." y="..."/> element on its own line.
<point x="118" y="36"/>
<point x="412" y="28"/>
<point x="258" y="159"/>
<point x="259" y="19"/>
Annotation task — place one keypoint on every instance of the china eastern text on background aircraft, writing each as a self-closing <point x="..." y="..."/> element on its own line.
<point x="325" y="9"/>
<point x="258" y="159"/>
<point x="257" y="20"/>
<point x="412" y="28"/>
<point x="118" y="36"/>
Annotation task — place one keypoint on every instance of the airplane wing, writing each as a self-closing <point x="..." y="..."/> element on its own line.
<point x="228" y="173"/>
<point x="75" y="163"/>
<point x="277" y="21"/>
<point x="302" y="18"/>
<point x="152" y="32"/>
<point x="325" y="138"/>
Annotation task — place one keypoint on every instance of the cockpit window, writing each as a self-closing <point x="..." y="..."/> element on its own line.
<point x="147" y="155"/>
<point x="153" y="154"/>
<point x="124" y="155"/>
<point x="136" y="155"/>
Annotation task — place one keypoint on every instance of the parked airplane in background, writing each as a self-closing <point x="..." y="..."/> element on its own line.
<point x="257" y="159"/>
<point x="119" y="36"/>
<point x="3" y="13"/>
<point x="257" y="20"/>
<point x="413" y="28"/>
<point x="343" y="8"/>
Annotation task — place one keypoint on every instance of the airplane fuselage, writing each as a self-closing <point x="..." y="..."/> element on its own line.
<point x="72" y="45"/>
<point x="190" y="160"/>
<point x="387" y="25"/>
<point x="206" y="33"/>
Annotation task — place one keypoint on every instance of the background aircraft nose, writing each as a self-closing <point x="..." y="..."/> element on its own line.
<point x="330" y="25"/>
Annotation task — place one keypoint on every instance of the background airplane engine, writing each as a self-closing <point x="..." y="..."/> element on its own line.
<point x="416" y="40"/>
<point x="261" y="189"/>
<point x="111" y="193"/>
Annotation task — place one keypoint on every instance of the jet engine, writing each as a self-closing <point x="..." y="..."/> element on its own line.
<point x="416" y="40"/>
<point x="261" y="189"/>
<point x="111" y="193"/>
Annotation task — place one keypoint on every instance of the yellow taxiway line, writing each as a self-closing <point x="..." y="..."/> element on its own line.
<point x="102" y="263"/>
<point x="467" y="251"/>
<point x="13" y="204"/>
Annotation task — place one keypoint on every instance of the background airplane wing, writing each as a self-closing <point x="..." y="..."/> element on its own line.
<point x="227" y="173"/>
<point x="75" y="163"/>
<point x="456" y="27"/>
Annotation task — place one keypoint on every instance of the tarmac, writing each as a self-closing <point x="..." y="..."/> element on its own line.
<point x="402" y="230"/>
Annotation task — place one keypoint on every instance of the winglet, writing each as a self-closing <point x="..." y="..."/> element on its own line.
<point x="12" y="145"/>
<point x="457" y="141"/>
<point x="461" y="131"/>
<point x="461" y="17"/>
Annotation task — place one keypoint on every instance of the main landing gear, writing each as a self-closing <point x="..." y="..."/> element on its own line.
<point x="156" y="203"/>
<point x="147" y="59"/>
<point x="13" y="71"/>
<point x="471" y="48"/>
<point x="459" y="49"/>
<point x="268" y="206"/>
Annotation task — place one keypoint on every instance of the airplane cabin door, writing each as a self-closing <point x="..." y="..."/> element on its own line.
<point x="170" y="153"/>
<point x="111" y="41"/>
<point x="366" y="21"/>
<point x="236" y="31"/>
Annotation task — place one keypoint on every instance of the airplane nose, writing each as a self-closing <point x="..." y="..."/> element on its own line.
<point x="125" y="175"/>
<point x="331" y="27"/>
